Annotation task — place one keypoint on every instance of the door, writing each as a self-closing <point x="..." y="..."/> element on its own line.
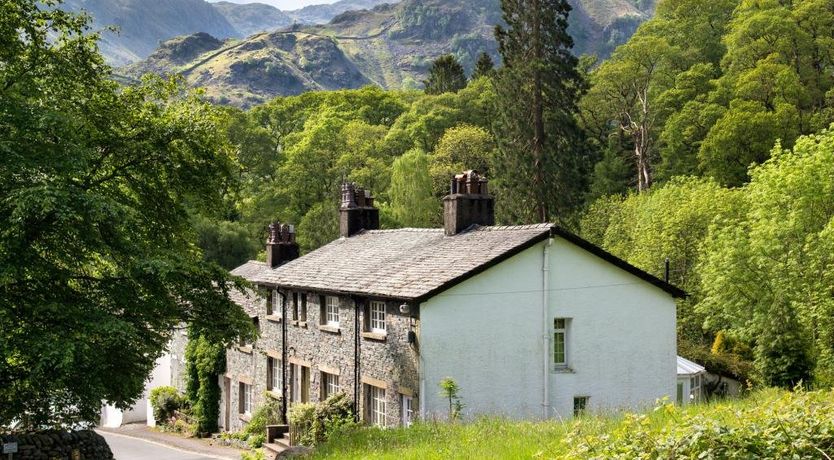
<point x="227" y="390"/>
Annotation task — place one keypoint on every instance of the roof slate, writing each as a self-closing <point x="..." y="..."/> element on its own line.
<point x="247" y="298"/>
<point x="407" y="264"/>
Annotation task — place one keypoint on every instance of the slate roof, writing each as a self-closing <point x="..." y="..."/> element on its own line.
<point x="406" y="264"/>
<point x="247" y="298"/>
<point x="415" y="264"/>
<point x="687" y="367"/>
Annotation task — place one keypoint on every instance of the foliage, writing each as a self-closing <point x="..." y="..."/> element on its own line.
<point x="268" y="413"/>
<point x="708" y="88"/>
<point x="446" y="75"/>
<point x="484" y="66"/>
<point x="540" y="169"/>
<point x="412" y="202"/>
<point x="97" y="255"/>
<point x="317" y="422"/>
<point x="763" y="424"/>
<point x="256" y="455"/>
<point x="450" y="390"/>
<point x="165" y="401"/>
<point x="205" y="362"/>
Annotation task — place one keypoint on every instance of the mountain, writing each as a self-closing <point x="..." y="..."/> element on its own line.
<point x="251" y="18"/>
<point x="322" y="14"/>
<point x="144" y="23"/>
<point x="390" y="45"/>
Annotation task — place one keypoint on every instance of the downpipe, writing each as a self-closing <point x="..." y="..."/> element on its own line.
<point x="546" y="329"/>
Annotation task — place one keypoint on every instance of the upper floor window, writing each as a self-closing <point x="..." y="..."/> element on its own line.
<point x="295" y="306"/>
<point x="560" y="342"/>
<point x="302" y="311"/>
<point x="332" y="311"/>
<point x="268" y="296"/>
<point x="377" y="317"/>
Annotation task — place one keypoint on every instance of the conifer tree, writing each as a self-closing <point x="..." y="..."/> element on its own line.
<point x="541" y="165"/>
<point x="484" y="66"/>
<point x="445" y="76"/>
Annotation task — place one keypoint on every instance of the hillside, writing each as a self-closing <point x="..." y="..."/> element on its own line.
<point x="144" y="23"/>
<point x="390" y="45"/>
<point x="249" y="19"/>
<point x="324" y="13"/>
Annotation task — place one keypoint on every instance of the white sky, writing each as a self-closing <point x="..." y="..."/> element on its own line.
<point x="282" y="4"/>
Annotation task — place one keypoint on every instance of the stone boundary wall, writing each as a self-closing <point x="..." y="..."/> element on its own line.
<point x="60" y="445"/>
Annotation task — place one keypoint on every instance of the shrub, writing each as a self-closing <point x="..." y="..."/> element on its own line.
<point x="267" y="414"/>
<point x="256" y="455"/>
<point x="451" y="390"/>
<point x="255" y="441"/>
<point x="165" y="401"/>
<point x="316" y="423"/>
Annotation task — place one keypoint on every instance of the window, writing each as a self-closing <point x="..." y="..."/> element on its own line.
<point x="273" y="374"/>
<point x="269" y="299"/>
<point x="560" y="335"/>
<point x="376" y="405"/>
<point x="300" y="383"/>
<point x="245" y="402"/>
<point x="377" y="315"/>
<point x="329" y="385"/>
<point x="302" y="314"/>
<point x="407" y="407"/>
<point x="580" y="403"/>
<point x="695" y="388"/>
<point x="331" y="311"/>
<point x="295" y="306"/>
<point x="680" y="393"/>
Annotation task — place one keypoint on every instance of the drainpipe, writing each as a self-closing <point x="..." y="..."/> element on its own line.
<point x="546" y="329"/>
<point x="283" y="355"/>
<point x="356" y="354"/>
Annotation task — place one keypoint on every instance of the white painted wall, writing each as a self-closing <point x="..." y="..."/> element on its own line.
<point x="486" y="333"/>
<point x="141" y="411"/>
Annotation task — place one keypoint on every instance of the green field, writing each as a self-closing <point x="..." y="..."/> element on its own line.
<point x="764" y="424"/>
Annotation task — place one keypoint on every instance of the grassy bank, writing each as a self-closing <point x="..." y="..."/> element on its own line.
<point x="765" y="424"/>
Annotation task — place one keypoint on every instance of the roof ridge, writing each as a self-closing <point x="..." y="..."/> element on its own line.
<point x="493" y="228"/>
<point x="404" y="230"/>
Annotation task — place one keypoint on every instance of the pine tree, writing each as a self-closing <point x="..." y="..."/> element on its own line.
<point x="445" y="76"/>
<point x="542" y="167"/>
<point x="484" y="66"/>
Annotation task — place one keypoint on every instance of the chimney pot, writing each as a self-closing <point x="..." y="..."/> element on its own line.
<point x="357" y="212"/>
<point x="281" y="246"/>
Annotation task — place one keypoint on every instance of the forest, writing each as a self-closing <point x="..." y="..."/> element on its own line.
<point x="703" y="140"/>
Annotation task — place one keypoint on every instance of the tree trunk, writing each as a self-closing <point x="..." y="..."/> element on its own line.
<point x="538" y="117"/>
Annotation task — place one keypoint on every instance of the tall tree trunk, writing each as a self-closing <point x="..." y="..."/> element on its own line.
<point x="538" y="116"/>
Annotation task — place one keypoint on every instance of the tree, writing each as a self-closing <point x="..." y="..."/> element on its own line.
<point x="446" y="75"/>
<point x="98" y="262"/>
<point x="541" y="164"/>
<point x="484" y="66"/>
<point x="412" y="202"/>
<point x="460" y="149"/>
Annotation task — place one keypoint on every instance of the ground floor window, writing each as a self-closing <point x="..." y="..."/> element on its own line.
<point x="245" y="403"/>
<point x="680" y="393"/>
<point x="300" y="383"/>
<point x="407" y="407"/>
<point x="329" y="385"/>
<point x="375" y="405"/>
<point x="273" y="374"/>
<point x="580" y="404"/>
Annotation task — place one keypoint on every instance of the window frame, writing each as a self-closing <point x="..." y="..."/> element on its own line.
<point x="302" y="314"/>
<point x="560" y="335"/>
<point x="377" y="406"/>
<point x="377" y="318"/>
<point x="330" y="385"/>
<point x="245" y="399"/>
<point x="273" y="374"/>
<point x="407" y="410"/>
<point x="580" y="405"/>
<point x="331" y="311"/>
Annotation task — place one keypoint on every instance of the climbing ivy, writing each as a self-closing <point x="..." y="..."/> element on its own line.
<point x="205" y="362"/>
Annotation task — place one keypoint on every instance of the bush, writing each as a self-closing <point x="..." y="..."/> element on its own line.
<point x="165" y="401"/>
<point x="267" y="414"/>
<point x="316" y="423"/>
<point x="256" y="455"/>
<point x="256" y="441"/>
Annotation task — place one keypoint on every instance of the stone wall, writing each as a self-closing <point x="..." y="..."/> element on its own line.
<point x="48" y="445"/>
<point x="388" y="360"/>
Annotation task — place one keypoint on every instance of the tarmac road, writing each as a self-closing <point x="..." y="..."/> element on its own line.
<point x="125" y="448"/>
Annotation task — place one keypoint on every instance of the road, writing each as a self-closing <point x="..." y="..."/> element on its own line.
<point x="125" y="448"/>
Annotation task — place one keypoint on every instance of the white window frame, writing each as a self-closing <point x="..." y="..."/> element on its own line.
<point x="407" y="405"/>
<point x="560" y="334"/>
<point x="376" y="406"/>
<point x="330" y="384"/>
<point x="276" y="383"/>
<point x="247" y="399"/>
<point x="377" y="316"/>
<point x="331" y="311"/>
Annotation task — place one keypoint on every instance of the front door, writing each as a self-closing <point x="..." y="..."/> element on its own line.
<point x="227" y="391"/>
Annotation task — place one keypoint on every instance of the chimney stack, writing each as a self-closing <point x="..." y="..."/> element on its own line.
<point x="357" y="211"/>
<point x="281" y="246"/>
<point x="468" y="203"/>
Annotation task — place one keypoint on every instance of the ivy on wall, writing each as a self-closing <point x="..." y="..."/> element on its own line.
<point x="205" y="362"/>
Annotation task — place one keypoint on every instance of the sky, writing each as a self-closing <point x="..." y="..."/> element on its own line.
<point x="282" y="4"/>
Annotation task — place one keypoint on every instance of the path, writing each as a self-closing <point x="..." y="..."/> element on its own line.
<point x="126" y="448"/>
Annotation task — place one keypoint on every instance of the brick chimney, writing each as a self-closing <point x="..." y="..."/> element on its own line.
<point x="357" y="211"/>
<point x="281" y="246"/>
<point x="468" y="203"/>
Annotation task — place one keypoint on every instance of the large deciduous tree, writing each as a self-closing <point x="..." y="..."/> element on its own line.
<point x="97" y="257"/>
<point x="541" y="165"/>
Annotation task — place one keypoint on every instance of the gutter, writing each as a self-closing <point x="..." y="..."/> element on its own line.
<point x="546" y="329"/>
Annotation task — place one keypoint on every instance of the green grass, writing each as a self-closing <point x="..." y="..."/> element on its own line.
<point x="765" y="424"/>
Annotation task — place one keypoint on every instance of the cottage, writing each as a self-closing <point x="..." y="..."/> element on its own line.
<point x="531" y="321"/>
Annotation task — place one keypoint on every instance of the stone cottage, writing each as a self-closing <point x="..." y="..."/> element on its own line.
<point x="531" y="321"/>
